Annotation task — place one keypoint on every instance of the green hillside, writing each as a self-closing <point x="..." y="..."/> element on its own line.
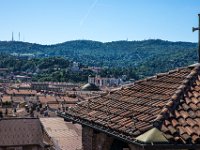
<point x="147" y="57"/>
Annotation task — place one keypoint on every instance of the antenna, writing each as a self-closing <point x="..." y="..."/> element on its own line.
<point x="12" y="36"/>
<point x="19" y="36"/>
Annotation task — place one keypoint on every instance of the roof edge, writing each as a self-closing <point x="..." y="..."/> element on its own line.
<point x="17" y="118"/>
<point x="130" y="140"/>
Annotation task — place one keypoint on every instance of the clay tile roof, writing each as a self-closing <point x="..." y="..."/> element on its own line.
<point x="65" y="135"/>
<point x="21" y="92"/>
<point x="47" y="99"/>
<point x="67" y="99"/>
<point x="20" y="131"/>
<point x="18" y="99"/>
<point x="6" y="98"/>
<point x="169" y="102"/>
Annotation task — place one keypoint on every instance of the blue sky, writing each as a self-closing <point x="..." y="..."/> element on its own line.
<point x="56" y="21"/>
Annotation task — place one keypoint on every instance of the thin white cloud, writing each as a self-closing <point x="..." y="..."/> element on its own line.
<point x="88" y="12"/>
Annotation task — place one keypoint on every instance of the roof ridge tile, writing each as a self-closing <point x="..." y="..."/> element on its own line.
<point x="173" y="101"/>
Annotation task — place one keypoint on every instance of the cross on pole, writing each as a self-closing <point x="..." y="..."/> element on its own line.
<point x="194" y="29"/>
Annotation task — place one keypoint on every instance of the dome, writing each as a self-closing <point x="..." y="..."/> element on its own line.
<point x="90" y="87"/>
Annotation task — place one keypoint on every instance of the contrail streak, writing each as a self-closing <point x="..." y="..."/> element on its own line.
<point x="88" y="12"/>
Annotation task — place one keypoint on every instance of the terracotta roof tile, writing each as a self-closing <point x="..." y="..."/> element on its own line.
<point x="169" y="101"/>
<point x="6" y="98"/>
<point x="18" y="99"/>
<point x="21" y="92"/>
<point x="65" y="136"/>
<point x="47" y="99"/>
<point x="20" y="131"/>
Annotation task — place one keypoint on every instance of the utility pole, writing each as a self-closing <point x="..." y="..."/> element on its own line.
<point x="194" y="29"/>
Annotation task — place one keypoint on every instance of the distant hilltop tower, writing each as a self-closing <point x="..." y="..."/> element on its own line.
<point x="19" y="36"/>
<point x="12" y="36"/>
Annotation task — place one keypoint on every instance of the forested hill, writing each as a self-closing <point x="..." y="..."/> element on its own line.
<point x="155" y="54"/>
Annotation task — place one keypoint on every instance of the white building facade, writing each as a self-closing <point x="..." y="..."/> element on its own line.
<point x="104" y="82"/>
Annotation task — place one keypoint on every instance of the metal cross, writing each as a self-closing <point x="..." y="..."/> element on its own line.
<point x="194" y="29"/>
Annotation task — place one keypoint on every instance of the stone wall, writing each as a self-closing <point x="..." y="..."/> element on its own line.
<point x="87" y="138"/>
<point x="93" y="140"/>
<point x="135" y="147"/>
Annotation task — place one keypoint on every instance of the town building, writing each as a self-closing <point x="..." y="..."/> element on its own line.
<point x="159" y="112"/>
<point x="90" y="87"/>
<point x="14" y="92"/>
<point x="40" y="86"/>
<point x="75" y="67"/>
<point x="103" y="82"/>
<point x="95" y="69"/>
<point x="39" y="134"/>
<point x="22" y="78"/>
<point x="53" y="86"/>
